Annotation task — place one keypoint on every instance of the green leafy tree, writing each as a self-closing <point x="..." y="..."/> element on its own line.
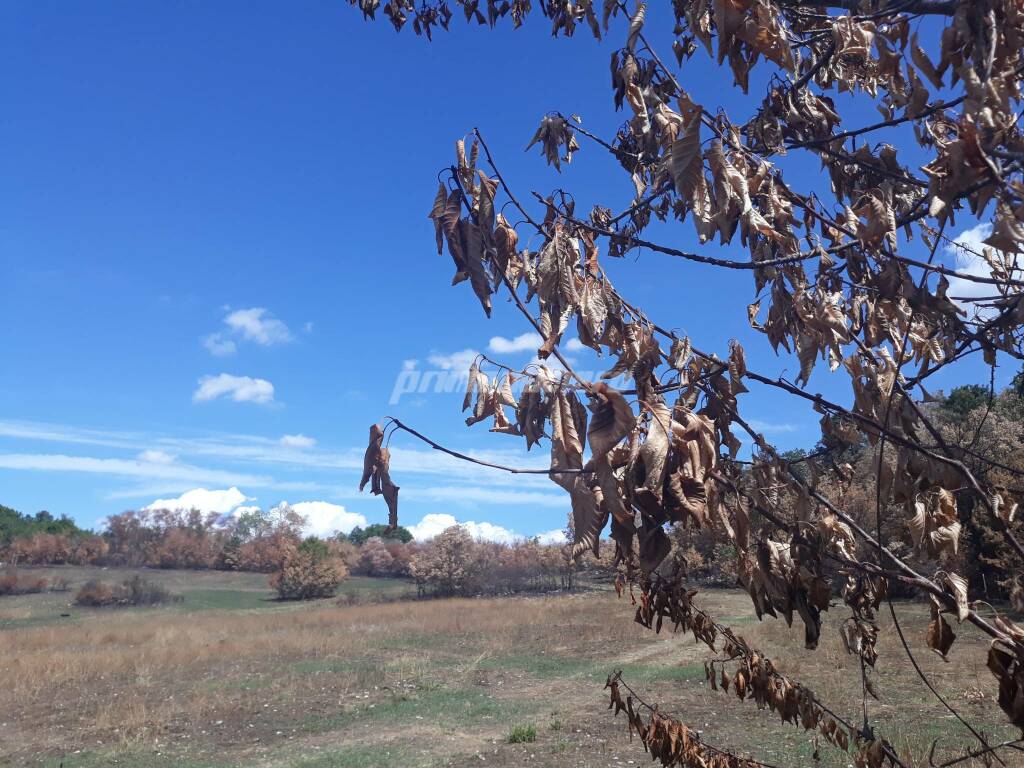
<point x="14" y="524"/>
<point x="359" y="536"/>
<point x="315" y="548"/>
<point x="962" y="400"/>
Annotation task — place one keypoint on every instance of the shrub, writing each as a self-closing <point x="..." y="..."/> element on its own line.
<point x="14" y="583"/>
<point x="454" y="563"/>
<point x="522" y="734"/>
<point x="448" y="565"/>
<point x="139" y="591"/>
<point x="306" y="577"/>
<point x="133" y="591"/>
<point x="374" y="558"/>
<point x="94" y="594"/>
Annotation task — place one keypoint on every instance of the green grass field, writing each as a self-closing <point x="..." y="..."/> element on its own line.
<point x="230" y="677"/>
<point x="201" y="590"/>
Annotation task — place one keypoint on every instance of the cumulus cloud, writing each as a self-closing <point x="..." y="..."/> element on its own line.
<point x="960" y="251"/>
<point x="524" y="342"/>
<point x="153" y="456"/>
<point x="528" y="342"/>
<point x="324" y="518"/>
<point x="257" y="324"/>
<point x="218" y="346"/>
<point x="458" y="361"/>
<point x="556" y="536"/>
<point x="433" y="524"/>
<point x="221" y="502"/>
<point x="241" y="389"/>
<point x="297" y="441"/>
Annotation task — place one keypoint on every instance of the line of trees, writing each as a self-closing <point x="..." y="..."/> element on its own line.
<point x="978" y="422"/>
<point x="301" y="566"/>
<point x="15" y="525"/>
<point x="252" y="541"/>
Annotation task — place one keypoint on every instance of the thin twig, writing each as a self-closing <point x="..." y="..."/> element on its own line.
<point x="464" y="457"/>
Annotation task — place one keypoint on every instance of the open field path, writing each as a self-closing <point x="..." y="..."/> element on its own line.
<point x="235" y="680"/>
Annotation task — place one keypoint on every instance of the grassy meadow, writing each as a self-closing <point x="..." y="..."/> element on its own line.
<point x="230" y="677"/>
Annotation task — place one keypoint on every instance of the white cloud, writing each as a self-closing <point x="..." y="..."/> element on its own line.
<point x="308" y="327"/>
<point x="178" y="474"/>
<point x="528" y="342"/>
<point x="524" y="342"/>
<point x="221" y="502"/>
<point x="60" y="433"/>
<point x="324" y="518"/>
<point x="241" y="389"/>
<point x="154" y="456"/>
<point x="218" y="346"/>
<point x="297" y="441"/>
<point x="470" y="494"/>
<point x="433" y="524"/>
<point x="554" y="367"/>
<point x="458" y="361"/>
<point x="257" y="324"/>
<point x="490" y="532"/>
<point x="257" y="450"/>
<point x="556" y="536"/>
<point x="966" y="262"/>
<point x="770" y="427"/>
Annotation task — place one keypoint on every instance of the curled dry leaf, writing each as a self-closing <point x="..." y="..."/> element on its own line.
<point x="555" y="137"/>
<point x="1007" y="664"/>
<point x="612" y="419"/>
<point x="940" y="635"/>
<point x="376" y="471"/>
<point x="956" y="587"/>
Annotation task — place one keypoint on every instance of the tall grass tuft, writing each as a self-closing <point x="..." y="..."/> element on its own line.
<point x="522" y="734"/>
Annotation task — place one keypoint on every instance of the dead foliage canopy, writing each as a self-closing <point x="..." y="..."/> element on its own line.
<point x="845" y="278"/>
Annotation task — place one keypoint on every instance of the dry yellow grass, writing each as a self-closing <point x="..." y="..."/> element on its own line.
<point x="117" y="646"/>
<point x="438" y="681"/>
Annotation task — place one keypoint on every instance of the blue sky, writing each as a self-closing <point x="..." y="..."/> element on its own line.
<point x="215" y="260"/>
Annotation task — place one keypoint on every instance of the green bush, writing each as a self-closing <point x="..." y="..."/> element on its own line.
<point x="522" y="734"/>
